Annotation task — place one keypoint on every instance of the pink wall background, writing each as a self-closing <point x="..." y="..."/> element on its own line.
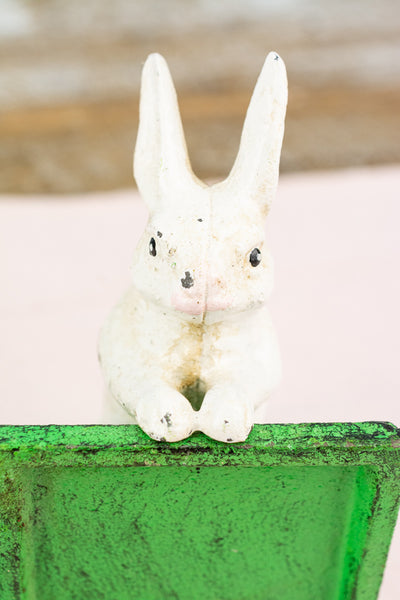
<point x="64" y="261"/>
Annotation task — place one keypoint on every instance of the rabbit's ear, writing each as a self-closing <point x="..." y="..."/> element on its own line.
<point x="161" y="163"/>
<point x="256" y="169"/>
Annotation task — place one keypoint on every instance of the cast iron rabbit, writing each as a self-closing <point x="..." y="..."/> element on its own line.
<point x="194" y="323"/>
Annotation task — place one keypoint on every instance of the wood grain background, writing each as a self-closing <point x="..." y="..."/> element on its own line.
<point x="70" y="75"/>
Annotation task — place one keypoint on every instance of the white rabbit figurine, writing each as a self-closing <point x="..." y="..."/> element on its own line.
<point x="194" y="326"/>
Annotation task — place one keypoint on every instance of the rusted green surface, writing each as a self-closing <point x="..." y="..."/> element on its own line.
<point x="302" y="512"/>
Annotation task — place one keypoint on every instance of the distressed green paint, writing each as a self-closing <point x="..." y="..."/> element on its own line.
<point x="297" y="511"/>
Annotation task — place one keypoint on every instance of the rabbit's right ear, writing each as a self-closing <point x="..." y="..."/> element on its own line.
<point x="161" y="164"/>
<point x="255" y="172"/>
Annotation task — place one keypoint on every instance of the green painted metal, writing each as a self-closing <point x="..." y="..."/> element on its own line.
<point x="302" y="512"/>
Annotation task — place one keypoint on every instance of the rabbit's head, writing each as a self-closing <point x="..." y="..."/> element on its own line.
<point x="203" y="253"/>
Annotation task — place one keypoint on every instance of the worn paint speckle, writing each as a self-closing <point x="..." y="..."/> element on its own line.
<point x="187" y="281"/>
<point x="167" y="419"/>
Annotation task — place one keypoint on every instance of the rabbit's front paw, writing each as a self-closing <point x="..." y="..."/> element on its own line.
<point x="165" y="415"/>
<point x="226" y="415"/>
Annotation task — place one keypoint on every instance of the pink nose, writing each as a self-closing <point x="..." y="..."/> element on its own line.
<point x="192" y="305"/>
<point x="194" y="298"/>
<point x="217" y="303"/>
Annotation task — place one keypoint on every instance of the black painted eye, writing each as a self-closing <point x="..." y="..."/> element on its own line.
<point x="255" y="257"/>
<point x="152" y="247"/>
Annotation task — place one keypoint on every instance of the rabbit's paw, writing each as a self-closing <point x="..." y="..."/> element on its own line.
<point x="226" y="415"/>
<point x="165" y="415"/>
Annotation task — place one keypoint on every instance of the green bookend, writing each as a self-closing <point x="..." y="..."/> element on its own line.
<point x="297" y="512"/>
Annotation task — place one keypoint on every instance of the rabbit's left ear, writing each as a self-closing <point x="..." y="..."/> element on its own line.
<point x="161" y="164"/>
<point x="256" y="170"/>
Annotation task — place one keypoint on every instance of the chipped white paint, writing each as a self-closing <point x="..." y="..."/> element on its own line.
<point x="196" y="313"/>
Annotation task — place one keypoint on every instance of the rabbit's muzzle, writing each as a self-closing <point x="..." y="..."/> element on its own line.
<point x="200" y="294"/>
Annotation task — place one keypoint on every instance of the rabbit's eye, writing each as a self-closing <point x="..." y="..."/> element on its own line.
<point x="255" y="257"/>
<point x="152" y="247"/>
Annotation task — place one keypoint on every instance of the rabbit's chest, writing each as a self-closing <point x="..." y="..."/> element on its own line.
<point x="194" y="353"/>
<point x="184" y="356"/>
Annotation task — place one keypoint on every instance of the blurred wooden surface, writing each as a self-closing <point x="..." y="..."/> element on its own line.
<point x="70" y="76"/>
